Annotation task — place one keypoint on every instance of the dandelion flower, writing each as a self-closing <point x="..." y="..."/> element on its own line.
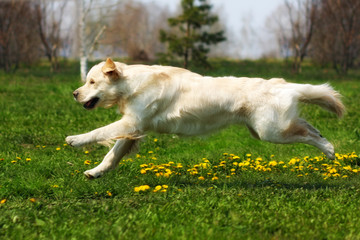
<point x="87" y="162"/>
<point x="109" y="193"/>
<point x="28" y="159"/>
<point x="272" y="163"/>
<point x="141" y="188"/>
<point x="201" y="178"/>
<point x="32" y="200"/>
<point x="58" y="149"/>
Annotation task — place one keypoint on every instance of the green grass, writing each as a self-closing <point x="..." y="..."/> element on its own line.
<point x="44" y="194"/>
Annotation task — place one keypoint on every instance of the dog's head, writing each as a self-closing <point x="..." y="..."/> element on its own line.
<point x="101" y="88"/>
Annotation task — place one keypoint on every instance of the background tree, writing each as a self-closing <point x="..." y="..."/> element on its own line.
<point x="294" y="26"/>
<point x="337" y="37"/>
<point x="131" y="30"/>
<point x="190" y="37"/>
<point x="18" y="42"/>
<point x="49" y="16"/>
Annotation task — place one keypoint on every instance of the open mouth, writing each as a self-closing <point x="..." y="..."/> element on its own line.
<point x="91" y="103"/>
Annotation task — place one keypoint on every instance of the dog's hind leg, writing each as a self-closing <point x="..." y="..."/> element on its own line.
<point x="301" y="131"/>
<point x="112" y="158"/>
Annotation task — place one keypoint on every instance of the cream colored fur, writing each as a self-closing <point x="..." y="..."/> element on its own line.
<point x="174" y="100"/>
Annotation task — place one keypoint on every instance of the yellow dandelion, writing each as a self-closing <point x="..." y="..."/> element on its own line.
<point x="28" y="159"/>
<point x="150" y="152"/>
<point x="86" y="152"/>
<point x="158" y="187"/>
<point x="87" y="162"/>
<point x="55" y="186"/>
<point x="109" y="193"/>
<point x="273" y="163"/>
<point x="58" y="149"/>
<point x="201" y="178"/>
<point x="214" y="178"/>
<point x="141" y="188"/>
<point x="155" y="139"/>
<point x="13" y="161"/>
<point x="3" y="201"/>
<point x="348" y="168"/>
<point x="32" y="200"/>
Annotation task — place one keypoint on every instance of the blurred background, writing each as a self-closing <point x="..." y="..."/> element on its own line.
<point x="326" y="32"/>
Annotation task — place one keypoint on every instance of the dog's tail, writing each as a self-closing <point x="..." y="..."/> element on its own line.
<point x="324" y="96"/>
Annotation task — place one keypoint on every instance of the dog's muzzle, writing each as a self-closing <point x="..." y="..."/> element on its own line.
<point x="75" y="94"/>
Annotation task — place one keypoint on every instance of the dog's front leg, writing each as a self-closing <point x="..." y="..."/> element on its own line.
<point x="111" y="160"/>
<point x="124" y="128"/>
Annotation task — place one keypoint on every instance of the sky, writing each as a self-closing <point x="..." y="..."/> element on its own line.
<point x="245" y="20"/>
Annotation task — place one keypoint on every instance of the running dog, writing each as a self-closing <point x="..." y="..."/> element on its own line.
<point x="173" y="100"/>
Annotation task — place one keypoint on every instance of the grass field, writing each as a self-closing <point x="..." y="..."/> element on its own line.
<point x="224" y="186"/>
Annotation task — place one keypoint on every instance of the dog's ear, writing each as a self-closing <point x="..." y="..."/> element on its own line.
<point x="110" y="69"/>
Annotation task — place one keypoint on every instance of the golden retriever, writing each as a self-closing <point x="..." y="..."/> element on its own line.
<point x="173" y="100"/>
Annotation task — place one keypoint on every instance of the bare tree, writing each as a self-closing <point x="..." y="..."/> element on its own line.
<point x="18" y="43"/>
<point x="87" y="41"/>
<point x="49" y="15"/>
<point x="338" y="35"/>
<point x="133" y="30"/>
<point x="294" y="25"/>
<point x="302" y="22"/>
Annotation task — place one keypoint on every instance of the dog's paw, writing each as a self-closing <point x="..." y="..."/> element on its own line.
<point x="330" y="151"/>
<point x="90" y="174"/>
<point x="76" y="141"/>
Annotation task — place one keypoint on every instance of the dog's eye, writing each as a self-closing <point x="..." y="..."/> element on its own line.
<point x="92" y="81"/>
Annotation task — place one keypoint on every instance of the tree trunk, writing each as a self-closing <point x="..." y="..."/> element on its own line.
<point x="82" y="54"/>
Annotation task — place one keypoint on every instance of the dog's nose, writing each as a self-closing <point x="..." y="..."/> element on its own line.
<point x="76" y="94"/>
